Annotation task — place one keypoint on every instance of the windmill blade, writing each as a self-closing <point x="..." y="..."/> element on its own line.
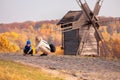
<point x="104" y="46"/>
<point x="98" y="34"/>
<point x="97" y="7"/>
<point x="93" y="21"/>
<point x="88" y="13"/>
<point x="84" y="6"/>
<point x="90" y="16"/>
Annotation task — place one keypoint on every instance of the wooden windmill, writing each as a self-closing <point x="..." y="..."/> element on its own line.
<point x="80" y="32"/>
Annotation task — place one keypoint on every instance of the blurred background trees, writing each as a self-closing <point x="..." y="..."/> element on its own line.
<point x="13" y="36"/>
<point x="7" y="46"/>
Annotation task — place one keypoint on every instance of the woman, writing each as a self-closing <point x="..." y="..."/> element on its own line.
<point x="43" y="46"/>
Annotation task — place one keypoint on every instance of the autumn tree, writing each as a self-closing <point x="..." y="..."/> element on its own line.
<point x="6" y="46"/>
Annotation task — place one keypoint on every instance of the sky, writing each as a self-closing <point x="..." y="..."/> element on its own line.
<point x="37" y="10"/>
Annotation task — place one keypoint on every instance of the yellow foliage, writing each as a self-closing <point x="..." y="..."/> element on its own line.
<point x="14" y="34"/>
<point x="33" y="47"/>
<point x="6" y="34"/>
<point x="6" y="46"/>
<point x="113" y="41"/>
<point x="59" y="50"/>
<point x="43" y="26"/>
<point x="105" y="34"/>
<point x="13" y="41"/>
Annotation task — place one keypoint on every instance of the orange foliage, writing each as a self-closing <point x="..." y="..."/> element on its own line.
<point x="113" y="41"/>
<point x="48" y="31"/>
<point x="114" y="45"/>
<point x="105" y="34"/>
<point x="18" y="33"/>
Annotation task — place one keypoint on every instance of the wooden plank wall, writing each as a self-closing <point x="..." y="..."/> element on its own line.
<point x="71" y="42"/>
<point x="90" y="45"/>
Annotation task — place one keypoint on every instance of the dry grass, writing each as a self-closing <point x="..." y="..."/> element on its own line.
<point x="14" y="71"/>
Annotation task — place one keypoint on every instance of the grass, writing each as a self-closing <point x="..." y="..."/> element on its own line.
<point x="15" y="71"/>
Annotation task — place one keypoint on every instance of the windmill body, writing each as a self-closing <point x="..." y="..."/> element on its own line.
<point x="80" y="33"/>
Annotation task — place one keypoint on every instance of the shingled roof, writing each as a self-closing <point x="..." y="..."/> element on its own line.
<point x="71" y="16"/>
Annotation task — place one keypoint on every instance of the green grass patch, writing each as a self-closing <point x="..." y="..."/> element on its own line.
<point x="15" y="71"/>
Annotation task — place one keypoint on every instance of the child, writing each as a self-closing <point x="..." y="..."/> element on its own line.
<point x="28" y="49"/>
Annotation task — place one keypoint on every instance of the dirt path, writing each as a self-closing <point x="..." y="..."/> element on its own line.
<point x="80" y="68"/>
